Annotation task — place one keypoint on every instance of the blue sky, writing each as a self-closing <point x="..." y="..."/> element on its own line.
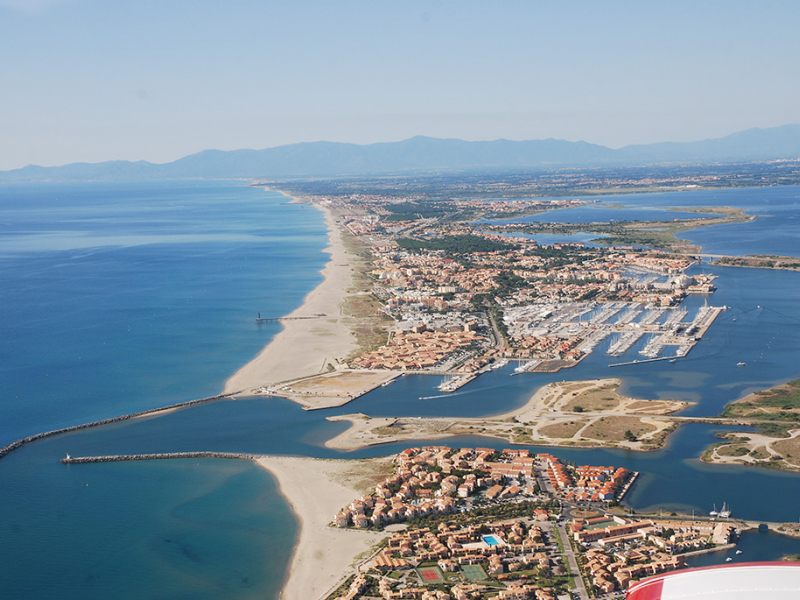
<point x="86" y="80"/>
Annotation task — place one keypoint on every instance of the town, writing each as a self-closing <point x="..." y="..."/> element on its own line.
<point x="463" y="295"/>
<point x="480" y="523"/>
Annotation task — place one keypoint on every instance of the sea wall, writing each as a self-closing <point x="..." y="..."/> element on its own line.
<point x="152" y="411"/>
<point x="71" y="460"/>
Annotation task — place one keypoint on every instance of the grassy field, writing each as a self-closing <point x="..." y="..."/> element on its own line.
<point x="595" y="400"/>
<point x="612" y="429"/>
<point x="562" y="430"/>
<point x="780" y="403"/>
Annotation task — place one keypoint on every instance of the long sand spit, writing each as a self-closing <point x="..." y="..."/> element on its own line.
<point x="307" y="346"/>
<point x="317" y="489"/>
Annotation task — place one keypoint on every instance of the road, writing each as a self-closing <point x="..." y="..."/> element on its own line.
<point x="499" y="340"/>
<point x="573" y="563"/>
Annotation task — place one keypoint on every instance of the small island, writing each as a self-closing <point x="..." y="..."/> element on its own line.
<point x="776" y="443"/>
<point x="569" y="413"/>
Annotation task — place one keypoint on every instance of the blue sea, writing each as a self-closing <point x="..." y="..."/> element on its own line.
<point x="121" y="297"/>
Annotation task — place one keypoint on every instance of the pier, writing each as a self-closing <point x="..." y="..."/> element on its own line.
<point x="260" y="319"/>
<point x="643" y="361"/>
<point x="451" y="385"/>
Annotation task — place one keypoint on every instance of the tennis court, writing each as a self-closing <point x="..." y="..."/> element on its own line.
<point x="431" y="574"/>
<point x="473" y="572"/>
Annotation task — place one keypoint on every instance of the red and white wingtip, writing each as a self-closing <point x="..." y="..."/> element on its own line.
<point x="746" y="581"/>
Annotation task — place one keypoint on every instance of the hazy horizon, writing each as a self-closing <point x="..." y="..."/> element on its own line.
<point x="336" y="142"/>
<point x="88" y="81"/>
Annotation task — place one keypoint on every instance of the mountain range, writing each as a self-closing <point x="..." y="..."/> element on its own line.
<point x="424" y="154"/>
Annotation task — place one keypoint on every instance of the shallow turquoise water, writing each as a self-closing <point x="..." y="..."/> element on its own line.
<point x="159" y="529"/>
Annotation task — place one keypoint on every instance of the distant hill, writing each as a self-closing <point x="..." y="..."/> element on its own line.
<point x="750" y="145"/>
<point x="424" y="154"/>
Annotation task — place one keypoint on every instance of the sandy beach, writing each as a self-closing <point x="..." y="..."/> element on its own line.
<point x="306" y="347"/>
<point x="317" y="490"/>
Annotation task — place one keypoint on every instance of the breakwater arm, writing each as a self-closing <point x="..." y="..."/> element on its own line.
<point x="72" y="460"/>
<point x="152" y="411"/>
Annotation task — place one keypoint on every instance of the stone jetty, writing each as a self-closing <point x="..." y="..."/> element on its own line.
<point x="72" y="460"/>
<point x="152" y="411"/>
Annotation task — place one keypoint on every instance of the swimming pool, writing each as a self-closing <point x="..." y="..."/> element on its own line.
<point x="491" y="540"/>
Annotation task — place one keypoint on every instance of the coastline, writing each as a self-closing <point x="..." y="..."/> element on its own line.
<point x="316" y="490"/>
<point x="286" y="549"/>
<point x="307" y="347"/>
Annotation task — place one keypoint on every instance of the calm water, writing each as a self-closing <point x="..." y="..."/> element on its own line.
<point x="608" y="211"/>
<point x="122" y="297"/>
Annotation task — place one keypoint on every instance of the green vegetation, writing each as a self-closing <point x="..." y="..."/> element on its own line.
<point x="454" y="244"/>
<point x="412" y="211"/>
<point x="733" y="450"/>
<point x="780" y="404"/>
<point x="508" y="283"/>
<point x="548" y="183"/>
<point x="342" y="589"/>
<point x="776" y="430"/>
<point x="759" y="261"/>
<point x="760" y="453"/>
<point x="652" y="234"/>
<point x="792" y="558"/>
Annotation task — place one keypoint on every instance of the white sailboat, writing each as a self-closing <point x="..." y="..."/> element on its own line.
<point x="714" y="512"/>
<point x="725" y="512"/>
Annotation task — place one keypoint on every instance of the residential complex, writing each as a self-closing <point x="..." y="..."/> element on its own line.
<point x="479" y="523"/>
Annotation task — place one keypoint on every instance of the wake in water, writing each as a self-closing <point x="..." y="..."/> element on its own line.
<point x="448" y="395"/>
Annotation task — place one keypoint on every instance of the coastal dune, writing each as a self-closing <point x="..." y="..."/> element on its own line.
<point x="317" y="490"/>
<point x="306" y="347"/>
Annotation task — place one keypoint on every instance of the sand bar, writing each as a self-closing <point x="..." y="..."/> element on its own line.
<point x="306" y="347"/>
<point x="317" y="490"/>
<point x="548" y="418"/>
